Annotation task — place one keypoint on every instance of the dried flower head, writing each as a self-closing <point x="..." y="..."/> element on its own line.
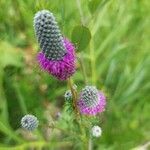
<point x="57" y="54"/>
<point x="29" y="122"/>
<point x="91" y="101"/>
<point x="96" y="131"/>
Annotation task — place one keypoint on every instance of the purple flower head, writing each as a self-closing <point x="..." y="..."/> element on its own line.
<point x="57" y="55"/>
<point x="91" y="101"/>
<point x="61" y="69"/>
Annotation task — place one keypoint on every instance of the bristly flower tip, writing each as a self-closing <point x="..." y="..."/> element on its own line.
<point x="49" y="35"/>
<point x="91" y="101"/>
<point x="29" y="122"/>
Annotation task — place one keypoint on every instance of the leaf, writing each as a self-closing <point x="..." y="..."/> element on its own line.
<point x="93" y="5"/>
<point x="81" y="37"/>
<point x="8" y="132"/>
<point x="9" y="55"/>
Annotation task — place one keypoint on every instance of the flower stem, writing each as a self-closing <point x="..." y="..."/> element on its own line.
<point x="63" y="130"/>
<point x="37" y="145"/>
<point x="80" y="58"/>
<point x="74" y="95"/>
<point x="80" y="11"/>
<point x="93" y="63"/>
<point x="20" y="99"/>
<point x="90" y="143"/>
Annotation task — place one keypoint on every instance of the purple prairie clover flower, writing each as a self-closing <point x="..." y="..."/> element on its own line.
<point x="91" y="101"/>
<point x="57" y="55"/>
<point x="61" y="69"/>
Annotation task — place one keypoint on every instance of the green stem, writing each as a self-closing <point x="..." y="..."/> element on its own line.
<point x="77" y="114"/>
<point x="37" y="144"/>
<point x="90" y="143"/>
<point x="7" y="131"/>
<point x="80" y="58"/>
<point x="3" y="101"/>
<point x="93" y="63"/>
<point x="74" y="96"/>
<point x="80" y="11"/>
<point x="62" y="130"/>
<point x="20" y="99"/>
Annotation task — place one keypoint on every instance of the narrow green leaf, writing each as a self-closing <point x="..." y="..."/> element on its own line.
<point x="81" y="37"/>
<point x="93" y="5"/>
<point x="7" y="131"/>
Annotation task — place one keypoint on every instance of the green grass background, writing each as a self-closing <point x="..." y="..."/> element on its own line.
<point x="117" y="60"/>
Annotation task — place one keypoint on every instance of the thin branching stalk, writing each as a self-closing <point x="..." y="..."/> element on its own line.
<point x="38" y="144"/>
<point x="63" y="130"/>
<point x="77" y="114"/>
<point x="74" y="95"/>
<point x="3" y="100"/>
<point x="90" y="143"/>
<point x="80" y="11"/>
<point x="21" y="99"/>
<point x="80" y="58"/>
<point x="93" y="63"/>
<point x="8" y="132"/>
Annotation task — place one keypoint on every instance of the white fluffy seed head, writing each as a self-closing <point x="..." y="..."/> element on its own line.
<point x="96" y="131"/>
<point x="29" y="122"/>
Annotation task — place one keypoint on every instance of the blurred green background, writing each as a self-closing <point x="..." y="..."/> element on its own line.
<point x="115" y="50"/>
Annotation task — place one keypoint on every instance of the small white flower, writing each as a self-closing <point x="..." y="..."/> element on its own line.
<point x="96" y="131"/>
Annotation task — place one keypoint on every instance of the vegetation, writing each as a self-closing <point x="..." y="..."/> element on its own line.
<point x="112" y="40"/>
